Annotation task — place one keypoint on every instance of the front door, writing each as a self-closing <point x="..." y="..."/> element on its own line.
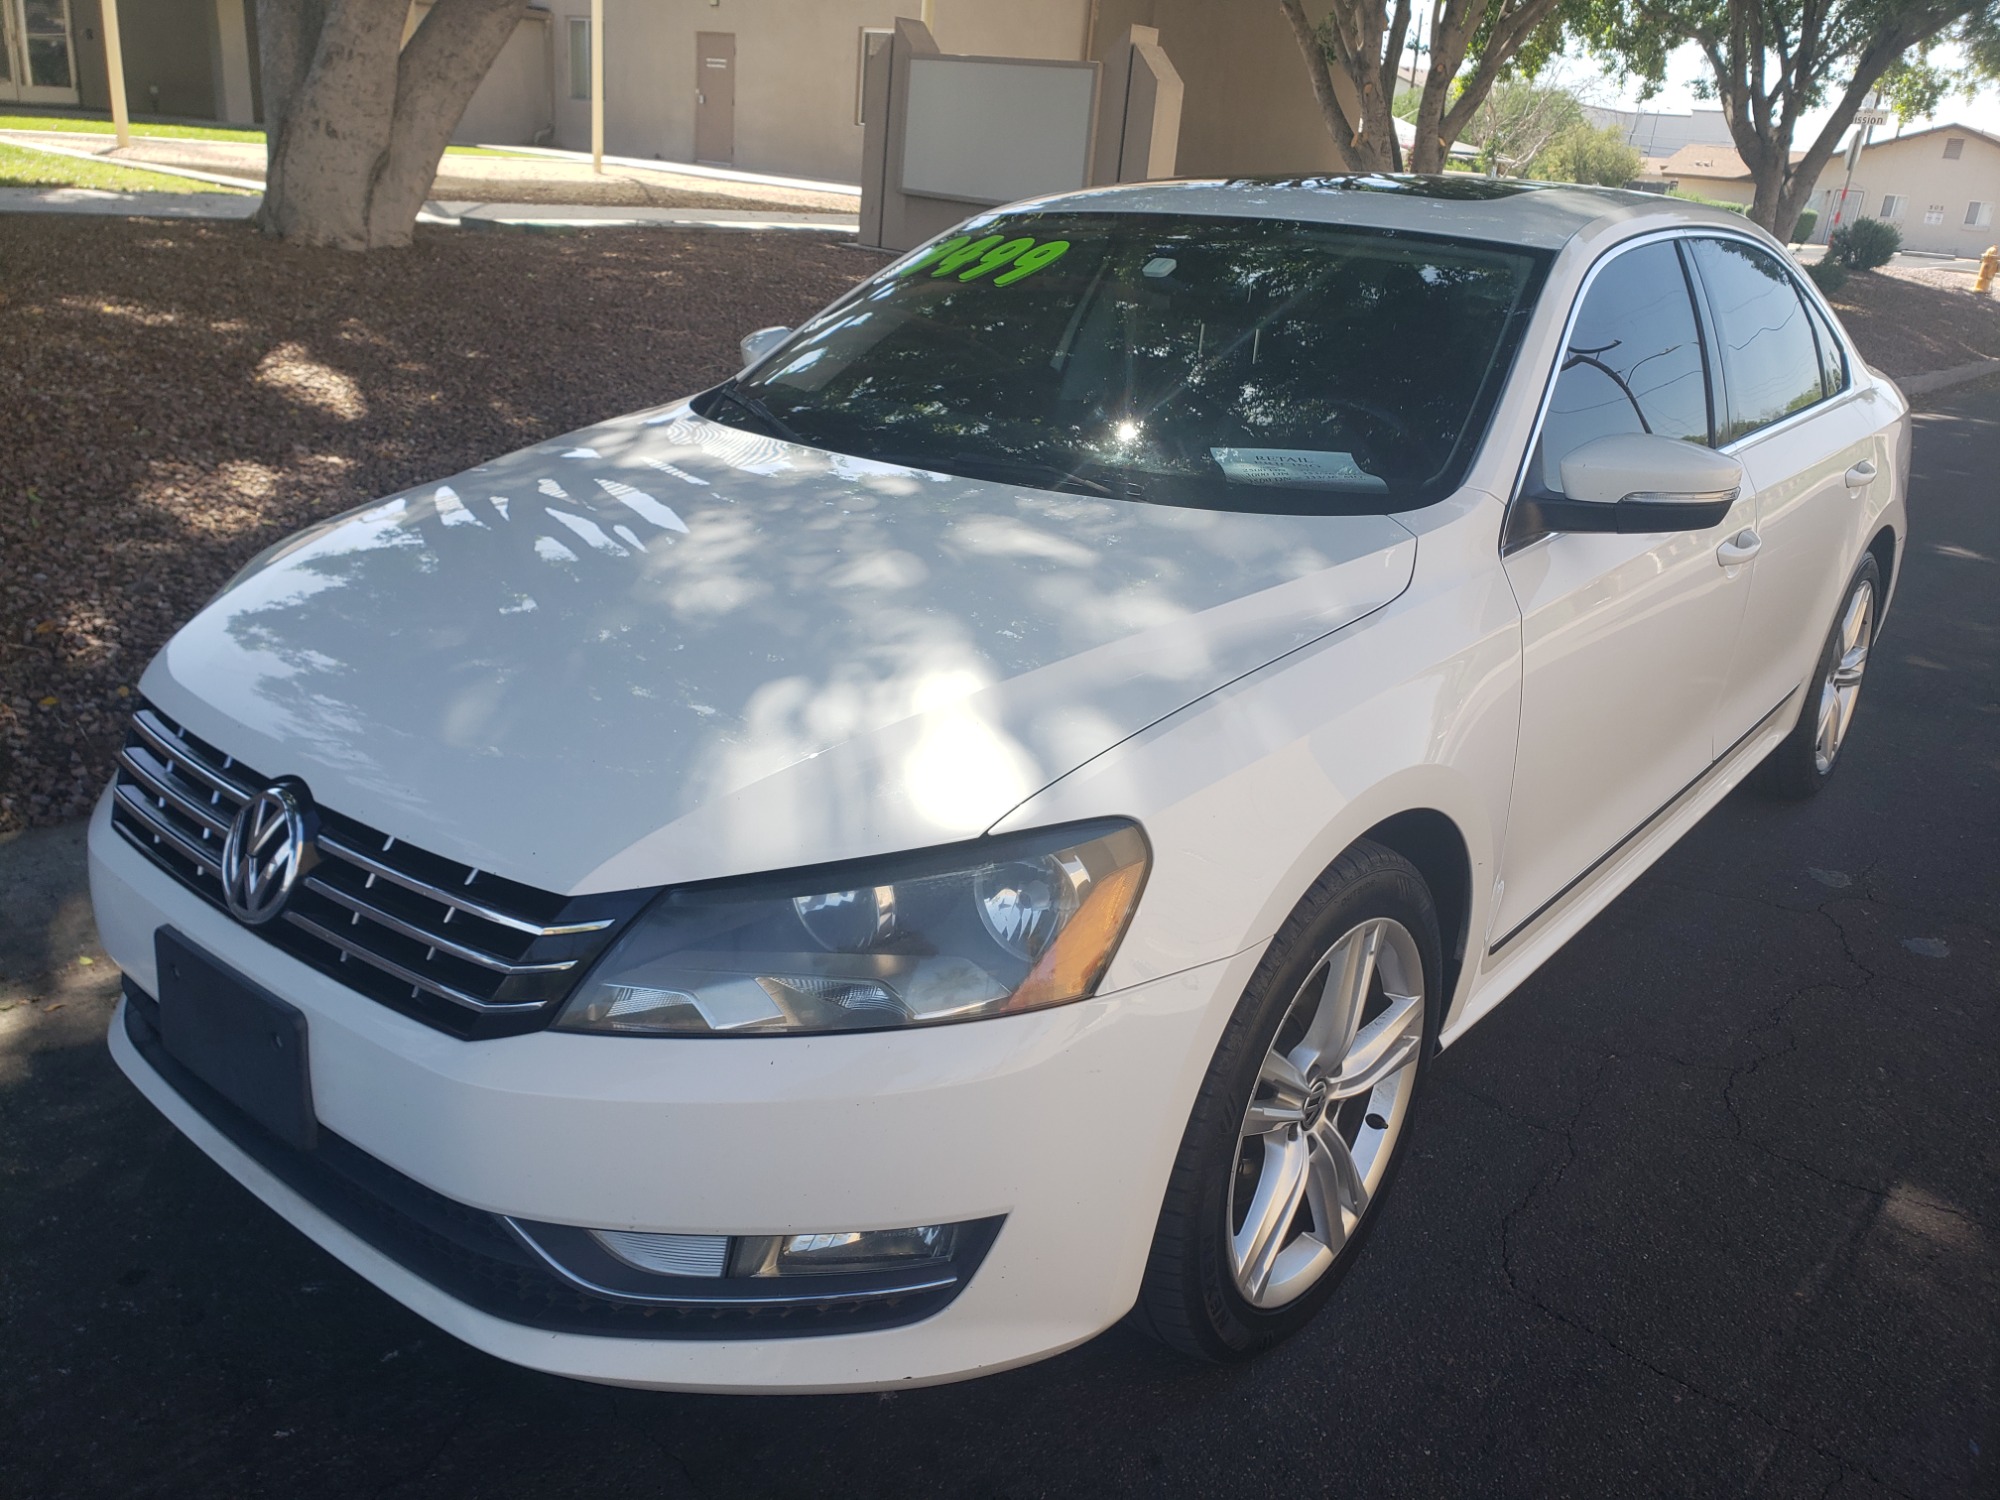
<point x="715" y="97"/>
<point x="1626" y="640"/>
<point x="37" y="64"/>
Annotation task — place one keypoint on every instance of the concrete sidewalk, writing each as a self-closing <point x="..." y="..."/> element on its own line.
<point x="455" y="213"/>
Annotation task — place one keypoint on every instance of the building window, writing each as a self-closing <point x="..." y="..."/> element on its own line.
<point x="579" y="57"/>
<point x="1934" y="214"/>
<point x="1978" y="215"/>
<point x="1892" y="206"/>
<point x="868" y="33"/>
<point x="1954" y="148"/>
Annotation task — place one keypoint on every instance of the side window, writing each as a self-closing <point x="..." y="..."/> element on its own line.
<point x="1770" y="359"/>
<point x="1633" y="363"/>
<point x="1832" y="359"/>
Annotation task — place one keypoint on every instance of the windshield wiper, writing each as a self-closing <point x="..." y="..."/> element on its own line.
<point x="1042" y="476"/>
<point x="774" y="423"/>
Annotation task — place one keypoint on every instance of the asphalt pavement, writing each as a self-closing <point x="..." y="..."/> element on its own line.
<point x="1708" y="1207"/>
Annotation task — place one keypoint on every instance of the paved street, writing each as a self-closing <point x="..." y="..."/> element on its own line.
<point x="1708" y="1208"/>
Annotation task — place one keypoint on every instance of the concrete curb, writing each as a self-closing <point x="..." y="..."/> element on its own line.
<point x="1937" y="380"/>
<point x="686" y="169"/>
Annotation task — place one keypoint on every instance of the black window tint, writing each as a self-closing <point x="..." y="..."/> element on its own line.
<point x="1633" y="362"/>
<point x="1232" y="364"/>
<point x="1770" y="362"/>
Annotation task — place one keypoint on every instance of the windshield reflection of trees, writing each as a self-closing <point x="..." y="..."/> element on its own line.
<point x="1155" y="341"/>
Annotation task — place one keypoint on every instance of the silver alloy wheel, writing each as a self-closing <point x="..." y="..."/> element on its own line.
<point x="1329" y="1105"/>
<point x="1842" y="687"/>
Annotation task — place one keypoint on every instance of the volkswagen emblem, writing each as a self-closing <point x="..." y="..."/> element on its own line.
<point x="268" y="848"/>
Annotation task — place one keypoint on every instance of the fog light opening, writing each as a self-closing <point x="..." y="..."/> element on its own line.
<point x="845" y="1251"/>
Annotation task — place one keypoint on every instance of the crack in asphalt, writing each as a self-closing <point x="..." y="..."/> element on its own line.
<point x="1549" y="1179"/>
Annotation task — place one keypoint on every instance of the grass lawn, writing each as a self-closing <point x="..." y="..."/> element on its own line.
<point x="85" y="125"/>
<point x="20" y="167"/>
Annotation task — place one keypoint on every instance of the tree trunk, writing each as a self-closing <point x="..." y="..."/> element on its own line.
<point x="355" y="122"/>
<point x="1363" y="45"/>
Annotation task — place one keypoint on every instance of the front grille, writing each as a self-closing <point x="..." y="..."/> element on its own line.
<point x="456" y="947"/>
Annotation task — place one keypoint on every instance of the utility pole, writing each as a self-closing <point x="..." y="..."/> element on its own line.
<point x="1867" y="119"/>
<point x="597" y="86"/>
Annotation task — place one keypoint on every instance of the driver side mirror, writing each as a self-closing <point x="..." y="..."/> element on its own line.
<point x="1640" y="482"/>
<point x="756" y="345"/>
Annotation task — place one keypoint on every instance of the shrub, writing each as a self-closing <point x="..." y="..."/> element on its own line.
<point x="1724" y="205"/>
<point x="1829" y="275"/>
<point x="1802" y="231"/>
<point x="1863" y="245"/>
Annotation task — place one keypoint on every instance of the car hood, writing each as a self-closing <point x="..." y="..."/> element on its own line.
<point x="664" y="649"/>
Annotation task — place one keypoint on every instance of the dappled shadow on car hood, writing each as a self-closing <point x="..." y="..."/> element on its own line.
<point x="663" y="649"/>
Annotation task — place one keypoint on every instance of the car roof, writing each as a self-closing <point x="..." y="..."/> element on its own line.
<point x="1541" y="215"/>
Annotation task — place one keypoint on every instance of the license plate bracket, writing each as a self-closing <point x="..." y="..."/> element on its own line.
<point x="239" y="1039"/>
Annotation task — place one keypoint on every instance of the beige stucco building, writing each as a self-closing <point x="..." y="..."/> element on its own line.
<point x="192" y="58"/>
<point x="775" y="85"/>
<point x="1939" y="187"/>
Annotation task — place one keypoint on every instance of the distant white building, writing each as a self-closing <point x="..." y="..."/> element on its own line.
<point x="1658" y="133"/>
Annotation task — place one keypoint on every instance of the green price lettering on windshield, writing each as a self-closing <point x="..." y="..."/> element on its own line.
<point x="969" y="259"/>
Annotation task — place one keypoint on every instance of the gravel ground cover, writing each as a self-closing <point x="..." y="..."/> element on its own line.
<point x="1908" y="321"/>
<point x="176" y="396"/>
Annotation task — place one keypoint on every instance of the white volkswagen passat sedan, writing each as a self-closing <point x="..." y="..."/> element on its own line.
<point x="975" y="826"/>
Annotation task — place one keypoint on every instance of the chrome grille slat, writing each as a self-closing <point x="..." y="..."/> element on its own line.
<point x="408" y="976"/>
<point x="157" y="780"/>
<point x="469" y="952"/>
<point x="170" y="745"/>
<point x="422" y="934"/>
<point x="149" y="816"/>
<point x="341" y="849"/>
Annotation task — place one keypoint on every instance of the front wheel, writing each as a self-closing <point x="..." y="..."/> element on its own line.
<point x="1805" y="759"/>
<point x="1295" y="1132"/>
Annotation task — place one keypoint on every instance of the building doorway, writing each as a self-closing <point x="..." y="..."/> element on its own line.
<point x="715" y="97"/>
<point x="37" y="62"/>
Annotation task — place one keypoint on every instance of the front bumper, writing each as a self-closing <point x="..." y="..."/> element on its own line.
<point x="1062" y="1123"/>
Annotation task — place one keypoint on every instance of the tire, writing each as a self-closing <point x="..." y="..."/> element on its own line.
<point x="1217" y="1286"/>
<point x="1806" y="759"/>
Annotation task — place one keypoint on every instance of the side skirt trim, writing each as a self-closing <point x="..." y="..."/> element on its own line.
<point x="1665" y="808"/>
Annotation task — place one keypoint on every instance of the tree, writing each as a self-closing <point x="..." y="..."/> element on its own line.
<point x="1772" y="62"/>
<point x="1583" y="153"/>
<point x="1517" y="121"/>
<point x="1359" y="44"/>
<point x="355" y="121"/>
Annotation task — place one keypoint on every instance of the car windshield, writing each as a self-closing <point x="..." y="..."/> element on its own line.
<point x="1230" y="364"/>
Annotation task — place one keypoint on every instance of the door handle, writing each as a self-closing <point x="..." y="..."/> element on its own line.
<point x="1739" y="549"/>
<point x="1862" y="473"/>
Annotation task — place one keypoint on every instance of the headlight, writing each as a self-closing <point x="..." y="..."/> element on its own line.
<point x="987" y="929"/>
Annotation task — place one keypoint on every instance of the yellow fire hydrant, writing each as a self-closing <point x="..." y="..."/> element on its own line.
<point x="1988" y="264"/>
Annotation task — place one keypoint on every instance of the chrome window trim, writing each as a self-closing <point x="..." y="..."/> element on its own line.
<point x="1801" y="284"/>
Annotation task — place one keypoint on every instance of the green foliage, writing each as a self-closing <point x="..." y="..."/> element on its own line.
<point x="1404" y="105"/>
<point x="1721" y="203"/>
<point x="1914" y="88"/>
<point x="1803" y="228"/>
<point x="1581" y="153"/>
<point x="1864" y="244"/>
<point x="1518" y="121"/>
<point x="1829" y="275"/>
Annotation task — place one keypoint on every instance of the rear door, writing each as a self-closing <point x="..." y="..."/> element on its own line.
<point x="1807" y="439"/>
<point x="1626" y="640"/>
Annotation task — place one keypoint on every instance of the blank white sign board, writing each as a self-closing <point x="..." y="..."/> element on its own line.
<point x="988" y="131"/>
